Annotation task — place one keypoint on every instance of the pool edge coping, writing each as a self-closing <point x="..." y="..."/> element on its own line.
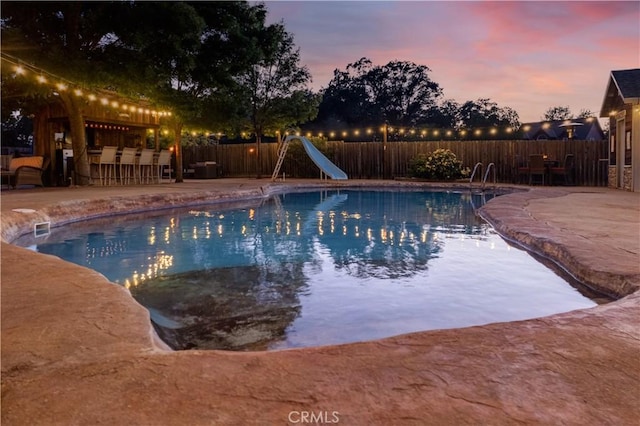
<point x="577" y="315"/>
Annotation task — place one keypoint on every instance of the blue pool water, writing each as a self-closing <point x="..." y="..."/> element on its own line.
<point x="316" y="268"/>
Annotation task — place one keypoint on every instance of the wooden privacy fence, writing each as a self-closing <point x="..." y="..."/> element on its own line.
<point x="375" y="160"/>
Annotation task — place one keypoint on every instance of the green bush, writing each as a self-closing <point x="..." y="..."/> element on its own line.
<point x="441" y="164"/>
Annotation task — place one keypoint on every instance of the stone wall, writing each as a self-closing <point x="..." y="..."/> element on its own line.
<point x="613" y="177"/>
<point x="627" y="178"/>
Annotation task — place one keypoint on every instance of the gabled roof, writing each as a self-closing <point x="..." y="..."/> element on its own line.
<point x="623" y="88"/>
<point x="628" y="82"/>
<point x="589" y="129"/>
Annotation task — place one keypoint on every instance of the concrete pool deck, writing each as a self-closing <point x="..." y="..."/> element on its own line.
<point x="79" y="350"/>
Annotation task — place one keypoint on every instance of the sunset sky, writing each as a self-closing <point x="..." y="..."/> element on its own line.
<point x="525" y="55"/>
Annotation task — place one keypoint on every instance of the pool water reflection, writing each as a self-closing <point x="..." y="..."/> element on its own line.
<point x="316" y="268"/>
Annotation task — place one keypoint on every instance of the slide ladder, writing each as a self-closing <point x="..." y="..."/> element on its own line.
<point x="282" y="152"/>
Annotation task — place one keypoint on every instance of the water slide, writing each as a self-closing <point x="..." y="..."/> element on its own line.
<point x="323" y="163"/>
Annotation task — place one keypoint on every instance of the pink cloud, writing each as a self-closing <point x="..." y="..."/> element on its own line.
<point x="525" y="55"/>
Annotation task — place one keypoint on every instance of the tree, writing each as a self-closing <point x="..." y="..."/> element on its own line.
<point x="404" y="92"/>
<point x="485" y="113"/>
<point x="585" y="113"/>
<point x="16" y="131"/>
<point x="273" y="91"/>
<point x="191" y="66"/>
<point x="557" y="113"/>
<point x="346" y="101"/>
<point x="65" y="38"/>
<point x="180" y="54"/>
<point x="444" y="116"/>
<point x="81" y="42"/>
<point x="399" y="92"/>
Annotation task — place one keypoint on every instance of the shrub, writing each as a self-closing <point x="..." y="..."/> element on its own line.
<point x="441" y="164"/>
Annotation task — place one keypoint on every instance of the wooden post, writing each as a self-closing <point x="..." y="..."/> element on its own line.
<point x="177" y="140"/>
<point x="384" y="150"/>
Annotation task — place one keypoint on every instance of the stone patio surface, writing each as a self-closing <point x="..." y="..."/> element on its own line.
<point x="78" y="350"/>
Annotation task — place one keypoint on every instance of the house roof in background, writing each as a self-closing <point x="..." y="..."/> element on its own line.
<point x="628" y="82"/>
<point x="623" y="88"/>
<point x="588" y="129"/>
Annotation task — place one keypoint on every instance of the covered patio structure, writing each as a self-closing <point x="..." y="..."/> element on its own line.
<point x="64" y="110"/>
<point x="123" y="126"/>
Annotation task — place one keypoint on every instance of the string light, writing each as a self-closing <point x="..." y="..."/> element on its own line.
<point x="23" y="70"/>
<point x="406" y="134"/>
<point x="44" y="77"/>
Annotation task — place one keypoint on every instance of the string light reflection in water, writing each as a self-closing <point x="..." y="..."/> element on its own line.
<point x="317" y="268"/>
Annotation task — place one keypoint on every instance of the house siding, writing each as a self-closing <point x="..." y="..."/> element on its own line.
<point x="630" y="142"/>
<point x="635" y="144"/>
<point x="622" y="99"/>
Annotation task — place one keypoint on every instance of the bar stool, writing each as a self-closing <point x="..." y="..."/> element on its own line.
<point x="108" y="163"/>
<point x="164" y="160"/>
<point x="127" y="165"/>
<point x="145" y="165"/>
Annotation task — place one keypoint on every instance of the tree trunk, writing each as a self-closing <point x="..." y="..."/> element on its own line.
<point x="258" y="168"/>
<point x="74" y="106"/>
<point x="177" y="140"/>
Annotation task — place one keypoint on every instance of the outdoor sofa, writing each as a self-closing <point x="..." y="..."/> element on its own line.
<point x="26" y="171"/>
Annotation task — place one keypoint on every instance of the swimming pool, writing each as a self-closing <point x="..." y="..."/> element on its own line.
<point x="316" y="268"/>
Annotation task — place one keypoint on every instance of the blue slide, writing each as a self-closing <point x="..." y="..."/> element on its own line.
<point x="330" y="169"/>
